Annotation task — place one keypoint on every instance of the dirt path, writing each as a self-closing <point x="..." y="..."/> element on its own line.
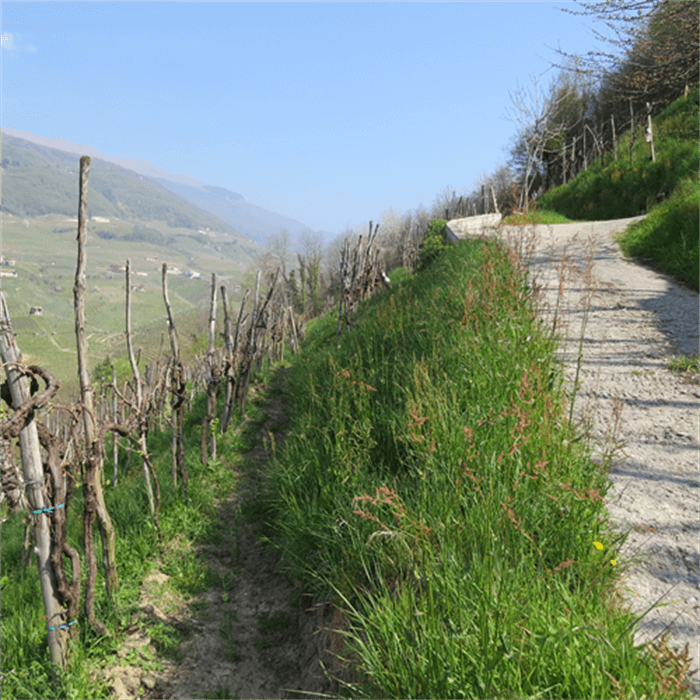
<point x="252" y="637"/>
<point x="637" y="319"/>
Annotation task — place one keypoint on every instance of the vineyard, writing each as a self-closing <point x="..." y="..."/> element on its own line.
<point x="51" y="451"/>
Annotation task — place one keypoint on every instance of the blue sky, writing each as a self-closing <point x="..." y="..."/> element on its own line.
<point x="329" y="113"/>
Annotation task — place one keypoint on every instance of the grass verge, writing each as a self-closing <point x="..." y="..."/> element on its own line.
<point x="669" y="235"/>
<point x="434" y="486"/>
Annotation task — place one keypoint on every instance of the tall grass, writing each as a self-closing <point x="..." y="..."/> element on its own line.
<point x="670" y="235"/>
<point x="434" y="487"/>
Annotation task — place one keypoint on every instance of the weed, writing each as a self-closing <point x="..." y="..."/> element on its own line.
<point x="684" y="363"/>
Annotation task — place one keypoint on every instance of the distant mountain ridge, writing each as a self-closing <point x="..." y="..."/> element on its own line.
<point x="39" y="180"/>
<point x="253" y="222"/>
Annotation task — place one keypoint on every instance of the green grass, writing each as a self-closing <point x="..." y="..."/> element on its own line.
<point x="666" y="189"/>
<point x="185" y="522"/>
<point x="689" y="364"/>
<point x="669" y="236"/>
<point x="536" y="216"/>
<point x="432" y="486"/>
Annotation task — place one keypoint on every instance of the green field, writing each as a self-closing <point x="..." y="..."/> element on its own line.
<point x="45" y="252"/>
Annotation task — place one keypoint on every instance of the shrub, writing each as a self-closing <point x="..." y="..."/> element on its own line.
<point x="433" y="244"/>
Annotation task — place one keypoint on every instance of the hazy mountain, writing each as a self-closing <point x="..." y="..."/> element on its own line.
<point x="39" y="180"/>
<point x="254" y="222"/>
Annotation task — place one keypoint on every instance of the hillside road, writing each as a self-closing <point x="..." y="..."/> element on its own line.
<point x="637" y="319"/>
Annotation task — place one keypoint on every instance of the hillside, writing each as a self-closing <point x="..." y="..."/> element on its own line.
<point x="39" y="180"/>
<point x="667" y="189"/>
<point x="254" y="222"/>
<point x="42" y="253"/>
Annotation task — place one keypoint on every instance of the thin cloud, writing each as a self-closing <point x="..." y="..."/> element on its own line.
<point x="8" y="42"/>
<point x="13" y="42"/>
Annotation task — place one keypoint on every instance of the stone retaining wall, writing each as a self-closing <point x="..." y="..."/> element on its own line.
<point x="458" y="229"/>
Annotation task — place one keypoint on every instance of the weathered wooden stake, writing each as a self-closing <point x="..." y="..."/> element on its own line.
<point x="650" y="133"/>
<point x="34" y="481"/>
<point x="208" y="435"/>
<point x="178" y="387"/>
<point x="92" y="485"/>
<point x="115" y="419"/>
<point x="632" y="134"/>
<point x="140" y="408"/>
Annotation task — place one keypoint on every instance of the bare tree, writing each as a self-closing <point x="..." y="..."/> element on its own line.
<point x="334" y="253"/>
<point x="389" y="239"/>
<point x="651" y="48"/>
<point x="537" y="112"/>
<point x="277" y="253"/>
<point x="310" y="271"/>
<point x="443" y="199"/>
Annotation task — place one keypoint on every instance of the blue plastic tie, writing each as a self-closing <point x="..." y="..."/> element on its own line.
<point x="63" y="627"/>
<point x="48" y="509"/>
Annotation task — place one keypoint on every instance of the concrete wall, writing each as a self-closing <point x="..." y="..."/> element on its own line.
<point x="458" y="229"/>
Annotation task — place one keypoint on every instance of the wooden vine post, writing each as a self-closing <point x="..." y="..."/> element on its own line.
<point x="632" y="134"/>
<point x="92" y="484"/>
<point x="650" y="133"/>
<point x="230" y="357"/>
<point x="32" y="466"/>
<point x="140" y="408"/>
<point x="115" y="419"/>
<point x="250" y="349"/>
<point x="209" y="435"/>
<point x="178" y="387"/>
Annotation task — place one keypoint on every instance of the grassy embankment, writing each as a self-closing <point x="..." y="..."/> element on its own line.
<point x="669" y="236"/>
<point x="432" y="485"/>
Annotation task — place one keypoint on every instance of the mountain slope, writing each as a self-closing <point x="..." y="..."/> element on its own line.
<point x="39" y="180"/>
<point x="254" y="222"/>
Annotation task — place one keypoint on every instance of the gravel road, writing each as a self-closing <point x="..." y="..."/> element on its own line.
<point x="637" y="319"/>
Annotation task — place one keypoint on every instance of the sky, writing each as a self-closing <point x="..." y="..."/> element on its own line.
<point x="329" y="113"/>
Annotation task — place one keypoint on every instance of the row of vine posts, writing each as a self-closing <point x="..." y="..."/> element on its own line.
<point x="67" y="448"/>
<point x="577" y="152"/>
